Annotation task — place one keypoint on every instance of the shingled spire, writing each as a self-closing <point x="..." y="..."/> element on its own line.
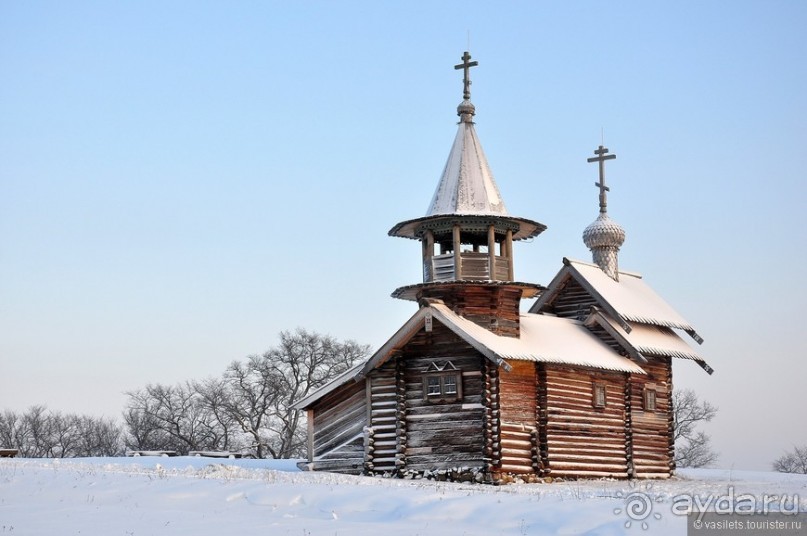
<point x="467" y="185"/>
<point x="604" y="236"/>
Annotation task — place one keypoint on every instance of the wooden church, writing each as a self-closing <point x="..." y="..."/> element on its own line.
<point x="578" y="387"/>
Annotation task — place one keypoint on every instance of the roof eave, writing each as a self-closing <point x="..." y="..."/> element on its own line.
<point x="409" y="228"/>
<point x="333" y="385"/>
<point x="596" y="317"/>
<point x="410" y="292"/>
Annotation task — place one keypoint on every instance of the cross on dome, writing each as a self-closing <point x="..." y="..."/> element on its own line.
<point x="602" y="156"/>
<point x="466" y="78"/>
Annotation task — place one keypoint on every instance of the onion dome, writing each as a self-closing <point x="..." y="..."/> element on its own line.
<point x="604" y="232"/>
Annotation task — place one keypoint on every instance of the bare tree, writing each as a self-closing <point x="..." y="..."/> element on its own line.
<point x="143" y="430"/>
<point x="98" y="437"/>
<point x="39" y="443"/>
<point x="250" y="405"/>
<point x="794" y="461"/>
<point x="263" y="389"/>
<point x="13" y="431"/>
<point x="304" y="361"/>
<point x="63" y="435"/>
<point x="253" y="388"/>
<point x="692" y="447"/>
<point x="174" y="411"/>
<point x="40" y="433"/>
<point x="220" y="425"/>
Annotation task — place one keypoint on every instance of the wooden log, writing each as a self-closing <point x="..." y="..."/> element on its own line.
<point x="491" y="251"/>
<point x="457" y="253"/>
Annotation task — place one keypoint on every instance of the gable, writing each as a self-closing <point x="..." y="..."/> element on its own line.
<point x="580" y="285"/>
<point x="425" y="321"/>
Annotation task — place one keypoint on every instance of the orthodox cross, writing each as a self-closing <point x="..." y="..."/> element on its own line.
<point x="466" y="80"/>
<point x="602" y="156"/>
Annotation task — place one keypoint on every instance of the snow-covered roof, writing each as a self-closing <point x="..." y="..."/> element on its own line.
<point x="467" y="190"/>
<point x="467" y="185"/>
<point x="549" y="339"/>
<point x="347" y="376"/>
<point x="630" y="299"/>
<point x="645" y="339"/>
<point x="658" y="340"/>
<point x="543" y="338"/>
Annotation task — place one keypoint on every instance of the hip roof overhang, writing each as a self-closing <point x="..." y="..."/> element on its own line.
<point x="644" y="340"/>
<point x="522" y="228"/>
<point x="412" y="292"/>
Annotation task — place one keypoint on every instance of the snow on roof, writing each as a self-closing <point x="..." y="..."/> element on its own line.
<point x="467" y="185"/>
<point x="629" y="299"/>
<point x="646" y="339"/>
<point x="545" y="339"/>
<point x="467" y="189"/>
<point x="345" y="377"/>
<point x="659" y="340"/>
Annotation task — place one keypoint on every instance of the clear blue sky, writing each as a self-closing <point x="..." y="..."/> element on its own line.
<point x="181" y="181"/>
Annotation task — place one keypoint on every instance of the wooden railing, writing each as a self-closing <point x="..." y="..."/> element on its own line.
<point x="475" y="267"/>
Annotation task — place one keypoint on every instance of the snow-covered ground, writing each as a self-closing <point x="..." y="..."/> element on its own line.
<point x="204" y="496"/>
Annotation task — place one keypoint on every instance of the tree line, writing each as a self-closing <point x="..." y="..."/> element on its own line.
<point x="246" y="409"/>
<point x="39" y="433"/>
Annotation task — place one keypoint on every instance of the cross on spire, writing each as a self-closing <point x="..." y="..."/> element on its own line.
<point x="466" y="79"/>
<point x="602" y="156"/>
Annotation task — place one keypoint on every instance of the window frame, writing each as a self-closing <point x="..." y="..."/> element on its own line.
<point x="444" y="395"/>
<point x="650" y="399"/>
<point x="599" y="390"/>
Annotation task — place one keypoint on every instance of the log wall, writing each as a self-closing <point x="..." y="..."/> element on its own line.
<point x="581" y="440"/>
<point x="494" y="307"/>
<point x="382" y="448"/>
<point x="338" y="430"/>
<point x="492" y="450"/>
<point x="518" y="392"/>
<point x="652" y="430"/>
<point x="444" y="434"/>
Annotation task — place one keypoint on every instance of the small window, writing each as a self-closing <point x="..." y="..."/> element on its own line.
<point x="433" y="386"/>
<point x="598" y="395"/>
<point x="649" y="399"/>
<point x="450" y="385"/>
<point x="442" y="383"/>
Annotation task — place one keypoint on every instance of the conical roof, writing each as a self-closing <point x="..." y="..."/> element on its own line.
<point x="467" y="185"/>
<point x="467" y="192"/>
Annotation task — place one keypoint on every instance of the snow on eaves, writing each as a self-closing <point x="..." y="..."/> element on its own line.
<point x="630" y="299"/>
<point x="544" y="339"/>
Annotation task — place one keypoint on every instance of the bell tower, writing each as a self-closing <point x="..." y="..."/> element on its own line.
<point x="467" y="235"/>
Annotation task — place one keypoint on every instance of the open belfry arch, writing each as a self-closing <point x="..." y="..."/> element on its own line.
<point x="472" y="388"/>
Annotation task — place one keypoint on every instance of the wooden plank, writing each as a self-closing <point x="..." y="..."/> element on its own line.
<point x="492" y="251"/>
